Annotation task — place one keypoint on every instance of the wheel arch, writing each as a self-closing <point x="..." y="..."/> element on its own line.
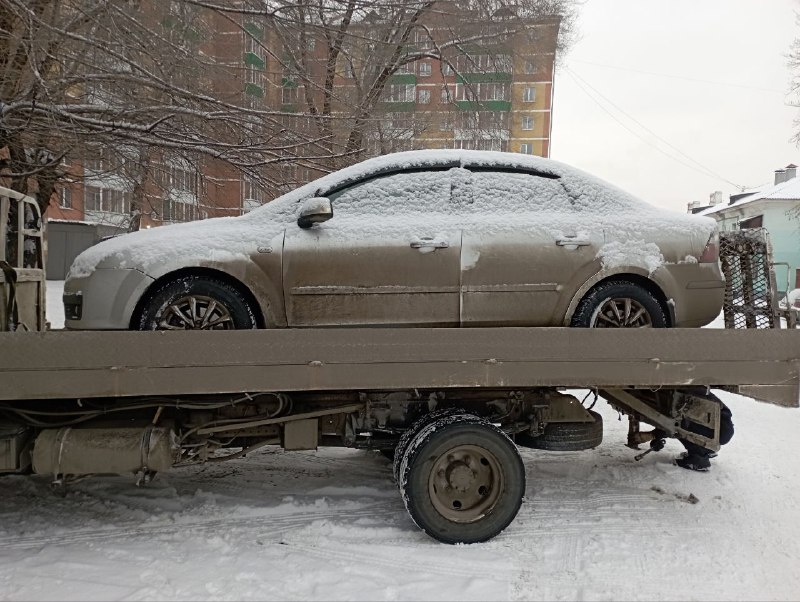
<point x="198" y="271"/>
<point x="632" y="277"/>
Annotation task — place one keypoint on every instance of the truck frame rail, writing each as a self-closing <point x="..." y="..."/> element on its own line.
<point x="760" y="363"/>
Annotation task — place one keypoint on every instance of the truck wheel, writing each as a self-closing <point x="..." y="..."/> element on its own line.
<point x="566" y="436"/>
<point x="619" y="304"/>
<point x="462" y="480"/>
<point x="414" y="429"/>
<point x="196" y="303"/>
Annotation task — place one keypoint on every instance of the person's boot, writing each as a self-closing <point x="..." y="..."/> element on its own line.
<point x="694" y="462"/>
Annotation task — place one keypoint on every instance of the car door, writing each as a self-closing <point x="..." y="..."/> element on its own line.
<point x="390" y="255"/>
<point x="525" y="249"/>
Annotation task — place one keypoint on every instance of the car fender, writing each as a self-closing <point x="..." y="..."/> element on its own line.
<point x="264" y="287"/>
<point x="660" y="278"/>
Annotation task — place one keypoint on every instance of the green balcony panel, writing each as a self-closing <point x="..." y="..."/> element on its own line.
<point x="254" y="60"/>
<point x="192" y="35"/>
<point x="288" y="82"/>
<point x="254" y="90"/>
<point x="403" y="78"/>
<point x="254" y="30"/>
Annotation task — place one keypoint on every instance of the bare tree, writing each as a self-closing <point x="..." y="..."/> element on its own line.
<point x="341" y="61"/>
<point x="125" y="82"/>
<point x="136" y="90"/>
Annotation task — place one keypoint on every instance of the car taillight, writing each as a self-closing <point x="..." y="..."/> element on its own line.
<point x="711" y="253"/>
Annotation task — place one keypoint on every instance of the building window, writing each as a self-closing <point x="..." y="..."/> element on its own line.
<point x="425" y="69"/>
<point x="289" y="96"/>
<point x="446" y="95"/>
<point x="527" y="122"/>
<point x="179" y="210"/>
<point x="483" y="91"/>
<point x="66" y="198"/>
<point x="526" y="148"/>
<point x="445" y="123"/>
<point x="447" y="69"/>
<point x="401" y="93"/>
<point x="529" y="94"/>
<point x="530" y="67"/>
<point x="107" y="200"/>
<point x="424" y="96"/>
<point x="253" y="195"/>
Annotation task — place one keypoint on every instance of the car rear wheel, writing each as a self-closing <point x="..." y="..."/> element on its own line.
<point x="196" y="303"/>
<point x="619" y="304"/>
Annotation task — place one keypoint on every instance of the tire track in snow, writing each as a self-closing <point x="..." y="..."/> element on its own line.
<point x="348" y="555"/>
<point x="276" y="525"/>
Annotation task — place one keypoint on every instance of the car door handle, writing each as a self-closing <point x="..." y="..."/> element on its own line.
<point x="429" y="243"/>
<point x="572" y="242"/>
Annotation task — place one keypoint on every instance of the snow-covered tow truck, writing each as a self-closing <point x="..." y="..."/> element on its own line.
<point x="449" y="405"/>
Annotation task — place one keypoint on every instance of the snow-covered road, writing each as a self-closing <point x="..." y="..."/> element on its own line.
<point x="330" y="525"/>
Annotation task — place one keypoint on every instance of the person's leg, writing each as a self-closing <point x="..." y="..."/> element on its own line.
<point x="698" y="457"/>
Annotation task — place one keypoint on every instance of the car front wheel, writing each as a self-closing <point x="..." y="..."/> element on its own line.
<point x="196" y="303"/>
<point x="619" y="304"/>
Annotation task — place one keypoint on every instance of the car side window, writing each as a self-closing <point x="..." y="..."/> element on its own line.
<point x="518" y="192"/>
<point x="395" y="194"/>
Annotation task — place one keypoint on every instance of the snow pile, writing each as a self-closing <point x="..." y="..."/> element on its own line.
<point x="639" y="253"/>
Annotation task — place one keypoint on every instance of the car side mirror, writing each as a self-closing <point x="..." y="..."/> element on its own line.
<point x="314" y="211"/>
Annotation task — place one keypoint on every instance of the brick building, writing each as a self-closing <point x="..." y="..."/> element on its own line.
<point x="491" y="96"/>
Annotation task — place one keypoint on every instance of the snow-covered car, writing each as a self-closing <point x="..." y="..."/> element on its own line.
<point x="423" y="238"/>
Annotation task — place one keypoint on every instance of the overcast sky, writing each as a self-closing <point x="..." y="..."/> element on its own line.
<point x="707" y="78"/>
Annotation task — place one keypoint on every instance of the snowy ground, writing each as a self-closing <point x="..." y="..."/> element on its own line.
<point x="330" y="525"/>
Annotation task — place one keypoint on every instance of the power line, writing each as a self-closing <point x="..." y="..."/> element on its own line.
<point x="683" y="77"/>
<point x="585" y="87"/>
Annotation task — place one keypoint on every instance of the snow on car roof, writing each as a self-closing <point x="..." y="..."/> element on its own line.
<point x="605" y="208"/>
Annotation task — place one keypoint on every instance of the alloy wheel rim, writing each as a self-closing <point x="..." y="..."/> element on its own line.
<point x="465" y="483"/>
<point x="621" y="312"/>
<point x="195" y="312"/>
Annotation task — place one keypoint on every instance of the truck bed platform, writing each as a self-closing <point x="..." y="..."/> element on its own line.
<point x="60" y="364"/>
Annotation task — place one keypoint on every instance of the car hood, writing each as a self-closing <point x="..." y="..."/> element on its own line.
<point x="157" y="250"/>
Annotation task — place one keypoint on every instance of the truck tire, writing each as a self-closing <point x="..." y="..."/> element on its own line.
<point x="195" y="302"/>
<point x="566" y="436"/>
<point x="462" y="480"/>
<point x="619" y="304"/>
<point x="412" y="431"/>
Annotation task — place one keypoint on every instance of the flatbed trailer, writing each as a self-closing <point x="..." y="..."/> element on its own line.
<point x="446" y="403"/>
<point x="449" y="405"/>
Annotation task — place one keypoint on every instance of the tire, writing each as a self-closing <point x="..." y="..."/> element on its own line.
<point x="635" y="307"/>
<point x="566" y="436"/>
<point x="184" y="304"/>
<point x="412" y="431"/>
<point x="462" y="480"/>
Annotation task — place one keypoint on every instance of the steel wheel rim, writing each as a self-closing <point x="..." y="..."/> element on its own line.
<point x="465" y="483"/>
<point x="621" y="312"/>
<point x="195" y="312"/>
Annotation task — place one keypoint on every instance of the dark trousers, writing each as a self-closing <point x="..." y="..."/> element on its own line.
<point x="725" y="425"/>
